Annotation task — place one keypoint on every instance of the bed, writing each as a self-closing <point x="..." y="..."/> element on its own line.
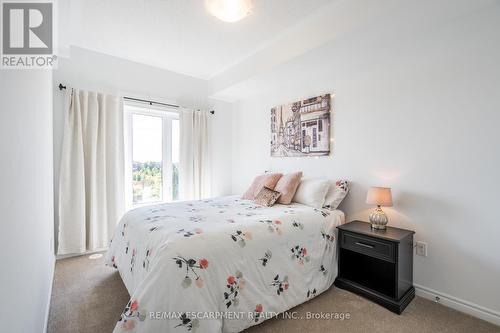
<point x="220" y="265"/>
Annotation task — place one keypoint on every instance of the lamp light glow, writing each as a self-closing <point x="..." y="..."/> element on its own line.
<point x="229" y="10"/>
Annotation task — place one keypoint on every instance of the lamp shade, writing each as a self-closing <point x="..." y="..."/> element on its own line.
<point x="380" y="196"/>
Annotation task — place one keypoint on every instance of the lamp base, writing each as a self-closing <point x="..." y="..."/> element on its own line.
<point x="378" y="227"/>
<point x="378" y="219"/>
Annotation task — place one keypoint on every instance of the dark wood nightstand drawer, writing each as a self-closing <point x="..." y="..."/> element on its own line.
<point x="377" y="248"/>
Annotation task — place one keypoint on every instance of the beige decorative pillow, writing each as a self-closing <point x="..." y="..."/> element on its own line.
<point x="267" y="197"/>
<point x="287" y="186"/>
<point x="268" y="180"/>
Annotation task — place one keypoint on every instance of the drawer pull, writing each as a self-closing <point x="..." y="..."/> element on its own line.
<point x="365" y="245"/>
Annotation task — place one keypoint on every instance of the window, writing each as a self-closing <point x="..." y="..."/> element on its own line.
<point x="152" y="154"/>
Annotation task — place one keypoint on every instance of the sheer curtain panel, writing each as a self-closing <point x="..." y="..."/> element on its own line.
<point x="91" y="194"/>
<point x="195" y="167"/>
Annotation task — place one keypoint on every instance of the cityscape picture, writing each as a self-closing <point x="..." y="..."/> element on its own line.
<point x="301" y="128"/>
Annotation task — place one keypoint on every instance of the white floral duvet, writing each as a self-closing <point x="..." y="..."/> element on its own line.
<point x="220" y="265"/>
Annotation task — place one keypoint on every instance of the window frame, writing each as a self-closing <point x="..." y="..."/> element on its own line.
<point x="167" y="114"/>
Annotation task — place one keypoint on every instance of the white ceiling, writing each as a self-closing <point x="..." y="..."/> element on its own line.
<point x="179" y="35"/>
<point x="237" y="59"/>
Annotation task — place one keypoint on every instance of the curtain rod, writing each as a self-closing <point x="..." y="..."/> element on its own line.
<point x="61" y="87"/>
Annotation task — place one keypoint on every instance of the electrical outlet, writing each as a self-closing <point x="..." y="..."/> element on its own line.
<point x="422" y="249"/>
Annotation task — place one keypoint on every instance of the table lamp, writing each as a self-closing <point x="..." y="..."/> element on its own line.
<point x="380" y="196"/>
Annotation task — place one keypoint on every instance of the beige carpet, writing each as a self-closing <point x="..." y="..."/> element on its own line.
<point x="89" y="297"/>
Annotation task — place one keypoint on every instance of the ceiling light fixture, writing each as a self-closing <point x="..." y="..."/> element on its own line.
<point x="229" y="10"/>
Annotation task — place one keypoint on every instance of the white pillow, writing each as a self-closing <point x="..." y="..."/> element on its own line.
<point x="312" y="192"/>
<point x="336" y="193"/>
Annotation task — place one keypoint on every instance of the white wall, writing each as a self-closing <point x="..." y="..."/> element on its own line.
<point x="416" y="109"/>
<point x="85" y="69"/>
<point x="221" y="145"/>
<point x="26" y="249"/>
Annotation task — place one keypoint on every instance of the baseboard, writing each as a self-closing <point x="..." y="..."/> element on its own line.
<point x="459" y="304"/>
<point x="47" y="310"/>
<point x="70" y="255"/>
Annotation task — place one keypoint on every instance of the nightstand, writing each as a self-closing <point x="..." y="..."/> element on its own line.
<point x="377" y="264"/>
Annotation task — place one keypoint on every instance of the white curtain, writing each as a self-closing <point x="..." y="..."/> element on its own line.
<point x="194" y="170"/>
<point x="91" y="194"/>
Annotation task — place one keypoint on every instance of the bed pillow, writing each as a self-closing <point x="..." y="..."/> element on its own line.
<point x="336" y="193"/>
<point x="312" y="192"/>
<point x="268" y="180"/>
<point x="267" y="197"/>
<point x="287" y="186"/>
